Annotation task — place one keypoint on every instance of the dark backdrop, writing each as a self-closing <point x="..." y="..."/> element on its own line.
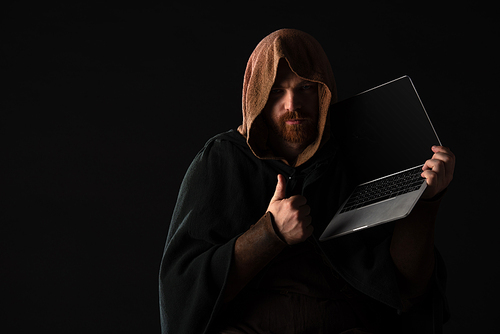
<point x="104" y="107"/>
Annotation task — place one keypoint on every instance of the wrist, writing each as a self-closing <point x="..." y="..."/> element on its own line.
<point x="275" y="227"/>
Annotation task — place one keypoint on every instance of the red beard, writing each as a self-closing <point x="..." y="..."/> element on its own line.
<point x="296" y="133"/>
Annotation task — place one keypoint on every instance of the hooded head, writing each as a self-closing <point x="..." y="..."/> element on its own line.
<point x="306" y="59"/>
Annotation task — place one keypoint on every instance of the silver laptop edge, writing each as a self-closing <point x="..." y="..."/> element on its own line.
<point x="383" y="211"/>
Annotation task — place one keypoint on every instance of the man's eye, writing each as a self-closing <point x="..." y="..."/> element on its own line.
<point x="276" y="91"/>
<point x="305" y="87"/>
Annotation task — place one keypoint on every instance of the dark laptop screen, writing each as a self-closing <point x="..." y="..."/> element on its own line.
<point x="383" y="130"/>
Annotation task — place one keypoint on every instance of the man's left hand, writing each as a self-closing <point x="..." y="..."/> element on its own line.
<point x="438" y="171"/>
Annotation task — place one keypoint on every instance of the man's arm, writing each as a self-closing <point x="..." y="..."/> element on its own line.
<point x="286" y="222"/>
<point x="253" y="250"/>
<point x="412" y="245"/>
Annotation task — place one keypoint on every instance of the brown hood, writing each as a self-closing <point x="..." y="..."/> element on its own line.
<point x="306" y="58"/>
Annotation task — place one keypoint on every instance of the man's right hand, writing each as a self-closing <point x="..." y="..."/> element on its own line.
<point x="291" y="215"/>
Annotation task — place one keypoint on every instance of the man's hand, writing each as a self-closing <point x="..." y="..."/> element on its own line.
<point x="291" y="215"/>
<point x="438" y="171"/>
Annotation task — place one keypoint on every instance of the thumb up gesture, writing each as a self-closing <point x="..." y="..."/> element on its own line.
<point x="291" y="215"/>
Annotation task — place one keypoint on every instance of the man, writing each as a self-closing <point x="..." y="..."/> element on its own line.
<point x="242" y="254"/>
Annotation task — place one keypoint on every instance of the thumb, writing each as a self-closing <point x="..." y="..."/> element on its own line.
<point x="280" y="192"/>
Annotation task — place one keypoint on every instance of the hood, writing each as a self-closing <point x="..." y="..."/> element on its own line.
<point x="306" y="58"/>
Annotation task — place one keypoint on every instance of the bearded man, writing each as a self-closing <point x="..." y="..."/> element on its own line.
<point x="242" y="252"/>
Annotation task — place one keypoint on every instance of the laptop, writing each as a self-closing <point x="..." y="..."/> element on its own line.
<point x="385" y="135"/>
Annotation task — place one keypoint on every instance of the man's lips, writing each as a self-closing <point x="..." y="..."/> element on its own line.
<point x="296" y="121"/>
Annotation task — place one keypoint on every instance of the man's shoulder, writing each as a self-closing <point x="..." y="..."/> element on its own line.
<point x="226" y="143"/>
<point x="226" y="146"/>
<point x="223" y="154"/>
<point x="232" y="137"/>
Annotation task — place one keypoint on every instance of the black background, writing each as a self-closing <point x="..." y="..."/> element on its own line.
<point x="104" y="106"/>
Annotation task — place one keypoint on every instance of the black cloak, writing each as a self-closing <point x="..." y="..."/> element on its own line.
<point x="229" y="185"/>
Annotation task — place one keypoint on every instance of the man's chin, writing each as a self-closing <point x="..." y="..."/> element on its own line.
<point x="299" y="137"/>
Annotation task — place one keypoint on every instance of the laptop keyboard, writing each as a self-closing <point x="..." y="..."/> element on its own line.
<point x="386" y="188"/>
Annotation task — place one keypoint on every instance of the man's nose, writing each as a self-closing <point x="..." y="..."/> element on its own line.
<point x="292" y="101"/>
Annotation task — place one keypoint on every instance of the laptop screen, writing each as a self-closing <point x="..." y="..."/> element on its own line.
<point x="383" y="130"/>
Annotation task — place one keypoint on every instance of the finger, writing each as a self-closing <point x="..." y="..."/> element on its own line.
<point x="297" y="201"/>
<point x="443" y="163"/>
<point x="280" y="191"/>
<point x="441" y="149"/>
<point x="447" y="158"/>
<point x="436" y="165"/>
<point x="444" y="153"/>
<point x="431" y="177"/>
<point x="431" y="171"/>
<point x="306" y="221"/>
<point x="304" y="210"/>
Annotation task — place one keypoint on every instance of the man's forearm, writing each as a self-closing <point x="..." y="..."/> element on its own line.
<point x="253" y="250"/>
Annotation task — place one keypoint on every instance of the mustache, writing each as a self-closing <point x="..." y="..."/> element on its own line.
<point x="293" y="115"/>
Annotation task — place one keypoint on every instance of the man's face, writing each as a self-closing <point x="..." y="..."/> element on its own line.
<point x="292" y="108"/>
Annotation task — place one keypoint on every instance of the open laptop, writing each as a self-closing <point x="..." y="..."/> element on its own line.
<point x="386" y="136"/>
